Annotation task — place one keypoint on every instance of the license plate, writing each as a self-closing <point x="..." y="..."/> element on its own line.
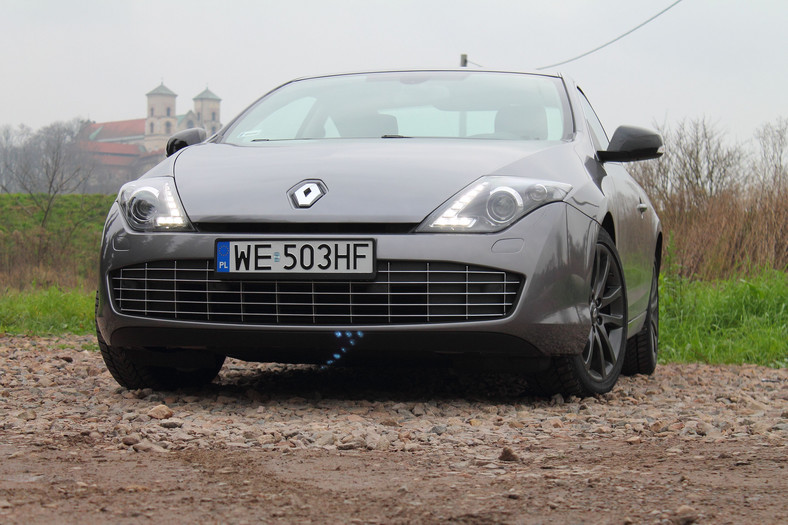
<point x="305" y="258"/>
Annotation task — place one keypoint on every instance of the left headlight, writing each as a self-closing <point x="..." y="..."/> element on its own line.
<point x="152" y="204"/>
<point x="493" y="203"/>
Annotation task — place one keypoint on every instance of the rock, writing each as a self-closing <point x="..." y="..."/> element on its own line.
<point x="508" y="454"/>
<point x="4" y="504"/>
<point x="27" y="415"/>
<point x="685" y="515"/>
<point x="131" y="439"/>
<point x="475" y="423"/>
<point x="634" y="440"/>
<point x="160" y="412"/>
<point x="171" y="423"/>
<point x="147" y="446"/>
<point x="324" y="438"/>
<point x="438" y="429"/>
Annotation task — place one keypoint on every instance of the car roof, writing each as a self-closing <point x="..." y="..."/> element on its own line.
<point x="430" y="70"/>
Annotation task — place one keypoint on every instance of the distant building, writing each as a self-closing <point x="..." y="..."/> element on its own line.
<point x="124" y="149"/>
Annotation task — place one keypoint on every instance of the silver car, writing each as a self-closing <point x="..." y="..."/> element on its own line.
<point x="465" y="216"/>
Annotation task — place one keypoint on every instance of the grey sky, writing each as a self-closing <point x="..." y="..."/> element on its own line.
<point x="96" y="59"/>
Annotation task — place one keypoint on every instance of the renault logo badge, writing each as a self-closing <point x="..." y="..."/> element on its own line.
<point x="307" y="192"/>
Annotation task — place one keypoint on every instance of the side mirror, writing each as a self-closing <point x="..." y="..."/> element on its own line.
<point x="630" y="143"/>
<point x="184" y="138"/>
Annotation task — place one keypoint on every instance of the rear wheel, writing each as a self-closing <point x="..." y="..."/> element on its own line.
<point x="597" y="368"/>
<point x="642" y="349"/>
<point x="132" y="374"/>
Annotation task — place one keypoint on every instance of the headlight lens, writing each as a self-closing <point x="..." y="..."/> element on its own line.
<point x="153" y="205"/>
<point x="493" y="203"/>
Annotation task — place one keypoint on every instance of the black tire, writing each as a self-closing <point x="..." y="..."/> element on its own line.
<point x="133" y="375"/>
<point x="642" y="349"/>
<point x="596" y="369"/>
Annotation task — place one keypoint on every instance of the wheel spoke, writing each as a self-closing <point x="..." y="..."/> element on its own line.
<point x="615" y="320"/>
<point x="614" y="294"/>
<point x="589" y="351"/>
<point x="606" y="347"/>
<point x="600" y="279"/>
<point x="600" y="353"/>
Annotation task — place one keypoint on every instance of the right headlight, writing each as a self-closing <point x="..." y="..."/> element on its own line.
<point x="152" y="204"/>
<point x="493" y="203"/>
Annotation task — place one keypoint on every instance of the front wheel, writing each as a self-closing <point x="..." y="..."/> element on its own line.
<point x="596" y="369"/>
<point x="131" y="373"/>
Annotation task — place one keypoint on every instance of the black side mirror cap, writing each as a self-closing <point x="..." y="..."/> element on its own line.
<point x="184" y="138"/>
<point x="630" y="144"/>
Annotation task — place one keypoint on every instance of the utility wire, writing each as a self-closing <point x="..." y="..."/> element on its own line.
<point x="612" y="41"/>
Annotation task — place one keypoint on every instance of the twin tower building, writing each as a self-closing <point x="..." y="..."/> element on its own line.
<point x="161" y="119"/>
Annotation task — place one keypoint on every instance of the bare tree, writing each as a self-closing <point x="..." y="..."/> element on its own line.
<point x="697" y="165"/>
<point x="10" y="150"/>
<point x="44" y="164"/>
<point x="773" y="145"/>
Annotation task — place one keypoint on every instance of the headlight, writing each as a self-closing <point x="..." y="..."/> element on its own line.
<point x="493" y="203"/>
<point x="152" y="204"/>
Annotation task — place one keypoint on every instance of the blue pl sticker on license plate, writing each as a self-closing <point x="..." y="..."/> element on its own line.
<point x="223" y="256"/>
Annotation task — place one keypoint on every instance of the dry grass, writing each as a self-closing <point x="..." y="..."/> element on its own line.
<point x="724" y="210"/>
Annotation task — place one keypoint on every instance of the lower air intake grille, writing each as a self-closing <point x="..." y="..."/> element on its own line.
<point x="403" y="292"/>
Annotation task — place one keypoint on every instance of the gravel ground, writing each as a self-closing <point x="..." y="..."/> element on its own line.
<point x="281" y="444"/>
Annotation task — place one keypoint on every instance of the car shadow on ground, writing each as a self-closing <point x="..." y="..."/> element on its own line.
<point x="412" y="383"/>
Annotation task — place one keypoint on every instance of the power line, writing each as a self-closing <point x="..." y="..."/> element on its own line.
<point x="612" y="41"/>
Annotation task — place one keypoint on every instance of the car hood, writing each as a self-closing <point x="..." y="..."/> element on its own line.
<point x="367" y="180"/>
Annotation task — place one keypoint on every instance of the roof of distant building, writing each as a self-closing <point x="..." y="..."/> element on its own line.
<point x="207" y="94"/>
<point x="115" y="131"/>
<point x="161" y="89"/>
<point x="112" y="154"/>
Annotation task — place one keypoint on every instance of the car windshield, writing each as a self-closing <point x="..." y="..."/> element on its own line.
<point x="472" y="105"/>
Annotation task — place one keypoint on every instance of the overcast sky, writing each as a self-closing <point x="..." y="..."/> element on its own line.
<point x="96" y="59"/>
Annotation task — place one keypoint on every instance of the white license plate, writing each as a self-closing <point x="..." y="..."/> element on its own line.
<point x="303" y="257"/>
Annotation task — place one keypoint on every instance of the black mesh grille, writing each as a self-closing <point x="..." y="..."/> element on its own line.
<point x="403" y="292"/>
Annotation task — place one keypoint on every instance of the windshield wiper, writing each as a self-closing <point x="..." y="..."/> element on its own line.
<point x="394" y="137"/>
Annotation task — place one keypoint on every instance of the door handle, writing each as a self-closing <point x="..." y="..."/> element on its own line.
<point x="642" y="207"/>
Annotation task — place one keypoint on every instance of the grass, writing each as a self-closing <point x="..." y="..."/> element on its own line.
<point x="733" y="321"/>
<point x="63" y="252"/>
<point x="49" y="311"/>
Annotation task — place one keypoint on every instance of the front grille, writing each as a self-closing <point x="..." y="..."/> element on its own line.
<point x="403" y="292"/>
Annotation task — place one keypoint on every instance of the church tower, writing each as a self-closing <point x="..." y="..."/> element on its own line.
<point x="160" y="119"/>
<point x="206" y="105"/>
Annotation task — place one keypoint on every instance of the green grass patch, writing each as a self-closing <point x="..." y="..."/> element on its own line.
<point x="48" y="311"/>
<point x="733" y="321"/>
<point x="59" y="251"/>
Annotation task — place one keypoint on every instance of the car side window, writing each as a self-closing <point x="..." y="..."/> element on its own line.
<point x="598" y="134"/>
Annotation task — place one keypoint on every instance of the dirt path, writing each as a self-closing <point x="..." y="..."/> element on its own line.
<point x="276" y="444"/>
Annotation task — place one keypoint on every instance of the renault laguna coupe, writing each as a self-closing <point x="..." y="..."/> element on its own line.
<point x="465" y="216"/>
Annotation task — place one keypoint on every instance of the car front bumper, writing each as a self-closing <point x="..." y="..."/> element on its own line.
<point x="550" y="251"/>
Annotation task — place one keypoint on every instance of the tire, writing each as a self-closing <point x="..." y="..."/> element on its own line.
<point x="131" y="374"/>
<point x="642" y="349"/>
<point x="597" y="368"/>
